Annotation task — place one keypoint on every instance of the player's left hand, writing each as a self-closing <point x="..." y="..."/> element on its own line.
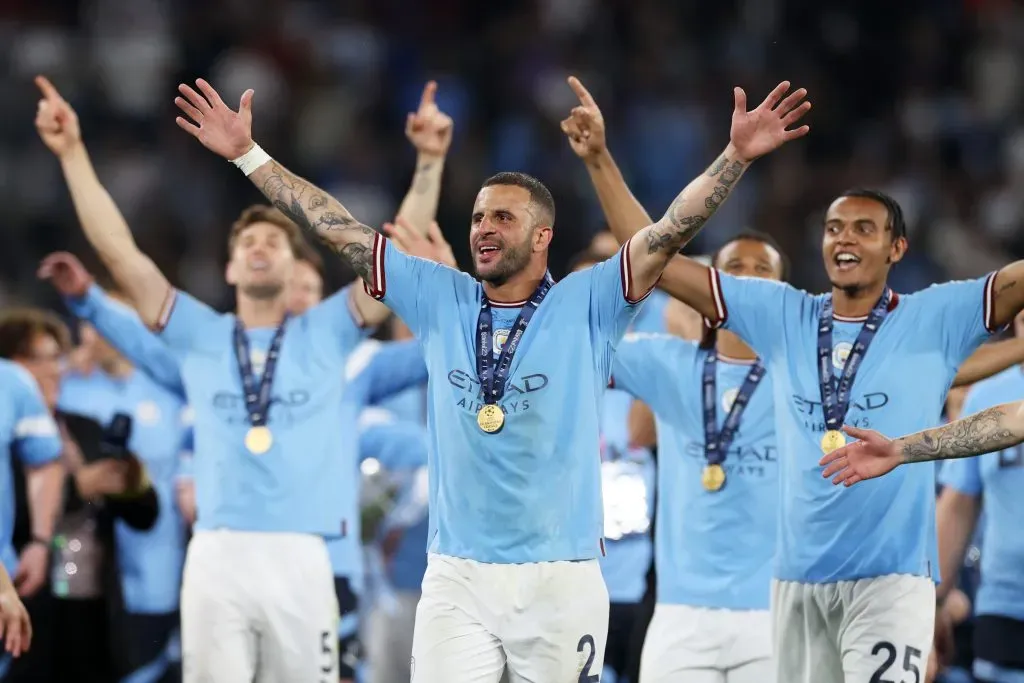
<point x="766" y="128"/>
<point x="32" y="567"/>
<point x="428" y="128"/>
<point x="213" y="123"/>
<point x="585" y="124"/>
<point x="432" y="247"/>
<point x="871" y="456"/>
<point x="15" y="625"/>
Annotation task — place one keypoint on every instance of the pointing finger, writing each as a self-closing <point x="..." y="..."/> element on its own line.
<point x="209" y="92"/>
<point x="429" y="91"/>
<point x="581" y="92"/>
<point x="44" y="85"/>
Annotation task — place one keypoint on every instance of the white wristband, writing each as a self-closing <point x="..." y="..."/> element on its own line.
<point x="251" y="160"/>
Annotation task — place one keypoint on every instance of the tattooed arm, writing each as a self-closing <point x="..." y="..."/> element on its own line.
<point x="319" y="214"/>
<point x="651" y="256"/>
<point x="986" y="431"/>
<point x="657" y="244"/>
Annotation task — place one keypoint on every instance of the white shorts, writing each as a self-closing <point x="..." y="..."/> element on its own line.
<point x="876" y="629"/>
<point x="547" y="621"/>
<point x="702" y="645"/>
<point x="258" y="607"/>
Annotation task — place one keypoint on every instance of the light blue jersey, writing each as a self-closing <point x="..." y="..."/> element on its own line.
<point x="531" y="492"/>
<point x="627" y="479"/>
<point x="150" y="562"/>
<point x="712" y="549"/>
<point x="883" y="526"/>
<point x="304" y="483"/>
<point x="121" y="327"/>
<point x="27" y="430"/>
<point x="999" y="477"/>
<point x="651" y="317"/>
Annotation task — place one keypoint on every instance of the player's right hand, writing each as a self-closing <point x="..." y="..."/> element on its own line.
<point x="872" y="456"/>
<point x="585" y="124"/>
<point x="15" y="625"/>
<point x="213" y="123"/>
<point x="66" y="273"/>
<point x="56" y="121"/>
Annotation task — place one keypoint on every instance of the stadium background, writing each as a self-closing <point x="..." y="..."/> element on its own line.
<point x="920" y="98"/>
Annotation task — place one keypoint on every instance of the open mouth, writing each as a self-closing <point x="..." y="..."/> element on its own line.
<point x="487" y="253"/>
<point x="845" y="261"/>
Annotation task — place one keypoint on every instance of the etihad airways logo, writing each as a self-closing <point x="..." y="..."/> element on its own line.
<point x="518" y="391"/>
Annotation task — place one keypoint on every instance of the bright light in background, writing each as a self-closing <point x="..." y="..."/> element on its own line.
<point x="370" y="467"/>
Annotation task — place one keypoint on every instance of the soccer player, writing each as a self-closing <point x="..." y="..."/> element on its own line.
<point x="854" y="593"/>
<point x="28" y="431"/>
<point x="512" y="577"/>
<point x="258" y="590"/>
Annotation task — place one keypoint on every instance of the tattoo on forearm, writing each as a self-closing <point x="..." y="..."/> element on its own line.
<point x="685" y="217"/>
<point x="983" y="432"/>
<point x="422" y="181"/>
<point x="318" y="213"/>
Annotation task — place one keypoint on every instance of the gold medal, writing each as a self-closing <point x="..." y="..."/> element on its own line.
<point x="491" y="418"/>
<point x="832" y="440"/>
<point x="259" y="440"/>
<point x="713" y="477"/>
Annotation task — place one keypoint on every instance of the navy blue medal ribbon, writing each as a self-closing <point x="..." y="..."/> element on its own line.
<point x="835" y="396"/>
<point x="257" y="395"/>
<point x="494" y="376"/>
<point x="716" y="443"/>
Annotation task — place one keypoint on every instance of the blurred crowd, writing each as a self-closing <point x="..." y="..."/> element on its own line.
<point x="916" y="97"/>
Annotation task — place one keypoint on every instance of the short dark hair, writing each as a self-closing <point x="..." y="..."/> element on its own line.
<point x="539" y="193"/>
<point x="896" y="223"/>
<point x="264" y="213"/>
<point x="755" y="236"/>
<point x="19" y="326"/>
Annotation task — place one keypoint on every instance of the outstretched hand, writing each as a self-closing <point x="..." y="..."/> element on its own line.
<point x="585" y="124"/>
<point x="432" y="247"/>
<point x="766" y="128"/>
<point x="56" y="121"/>
<point x="66" y="273"/>
<point x="871" y="456"/>
<point x="428" y="128"/>
<point x="213" y="123"/>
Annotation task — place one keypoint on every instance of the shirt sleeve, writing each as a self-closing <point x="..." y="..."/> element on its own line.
<point x="36" y="437"/>
<point x="184" y="321"/>
<point x="408" y="285"/>
<point x="612" y="303"/>
<point x="125" y="331"/>
<point x="756" y="309"/>
<point x="335" y="321"/>
<point x="960" y="315"/>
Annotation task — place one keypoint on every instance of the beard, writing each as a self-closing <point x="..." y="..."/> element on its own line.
<point x="263" y="291"/>
<point x="514" y="259"/>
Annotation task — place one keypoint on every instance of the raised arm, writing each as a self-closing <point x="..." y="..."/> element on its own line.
<point x="986" y="431"/>
<point x="102" y="222"/>
<point x="229" y="134"/>
<point x="430" y="131"/>
<point x="753" y="134"/>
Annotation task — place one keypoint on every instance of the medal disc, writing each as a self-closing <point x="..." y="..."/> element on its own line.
<point x="832" y="440"/>
<point x="491" y="418"/>
<point x="259" y="440"/>
<point x="713" y="477"/>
